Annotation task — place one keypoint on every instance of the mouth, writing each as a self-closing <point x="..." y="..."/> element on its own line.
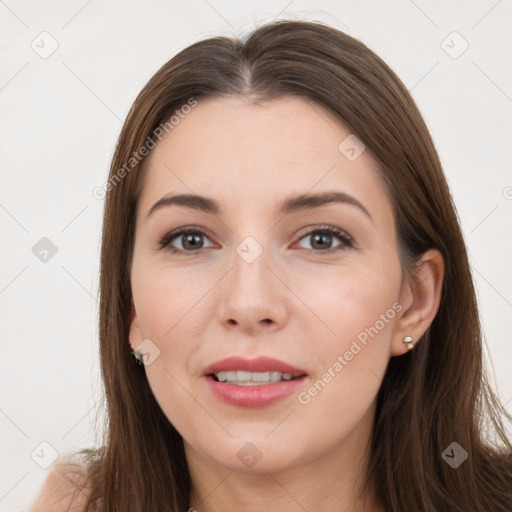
<point x="252" y="372"/>
<point x="245" y="378"/>
<point x="253" y="383"/>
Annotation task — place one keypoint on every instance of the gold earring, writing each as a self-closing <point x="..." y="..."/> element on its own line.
<point x="408" y="341"/>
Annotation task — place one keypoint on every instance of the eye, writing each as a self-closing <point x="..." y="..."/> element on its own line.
<point x="322" y="238"/>
<point x="190" y="240"/>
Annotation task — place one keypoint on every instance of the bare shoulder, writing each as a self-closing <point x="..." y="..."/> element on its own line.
<point x="64" y="489"/>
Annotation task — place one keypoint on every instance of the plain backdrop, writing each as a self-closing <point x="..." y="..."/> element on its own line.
<point x="69" y="73"/>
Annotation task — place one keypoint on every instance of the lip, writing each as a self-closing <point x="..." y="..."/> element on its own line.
<point x="253" y="396"/>
<point x="259" y="364"/>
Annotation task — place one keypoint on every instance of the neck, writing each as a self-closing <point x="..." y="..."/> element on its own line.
<point x="277" y="492"/>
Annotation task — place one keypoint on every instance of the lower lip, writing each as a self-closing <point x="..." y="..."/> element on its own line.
<point x="254" y="396"/>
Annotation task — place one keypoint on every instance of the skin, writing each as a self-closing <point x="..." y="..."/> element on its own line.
<point x="294" y="302"/>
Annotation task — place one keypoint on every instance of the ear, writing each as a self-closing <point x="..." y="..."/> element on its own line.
<point x="135" y="332"/>
<point x="420" y="297"/>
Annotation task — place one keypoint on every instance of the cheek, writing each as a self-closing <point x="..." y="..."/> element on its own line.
<point x="166" y="299"/>
<point x="352" y="359"/>
<point x="351" y="300"/>
<point x="358" y="311"/>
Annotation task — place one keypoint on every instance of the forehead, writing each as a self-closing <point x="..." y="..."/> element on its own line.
<point x="252" y="155"/>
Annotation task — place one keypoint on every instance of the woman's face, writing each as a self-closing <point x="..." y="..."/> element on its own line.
<point x="254" y="278"/>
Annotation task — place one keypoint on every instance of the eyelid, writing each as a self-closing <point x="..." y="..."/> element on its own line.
<point x="313" y="228"/>
<point x="347" y="241"/>
<point x="166" y="239"/>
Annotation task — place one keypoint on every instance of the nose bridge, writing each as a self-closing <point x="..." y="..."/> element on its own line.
<point x="250" y="261"/>
<point x="252" y="293"/>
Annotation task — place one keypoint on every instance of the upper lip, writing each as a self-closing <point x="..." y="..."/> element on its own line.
<point x="259" y="364"/>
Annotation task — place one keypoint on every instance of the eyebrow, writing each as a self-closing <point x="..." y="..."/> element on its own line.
<point x="290" y="205"/>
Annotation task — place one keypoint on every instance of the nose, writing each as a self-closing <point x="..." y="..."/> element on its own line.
<point x="254" y="297"/>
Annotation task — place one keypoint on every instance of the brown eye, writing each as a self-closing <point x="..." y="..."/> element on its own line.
<point x="188" y="240"/>
<point x="321" y="239"/>
<point x="191" y="241"/>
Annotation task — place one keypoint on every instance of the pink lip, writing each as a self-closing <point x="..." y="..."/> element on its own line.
<point x="253" y="396"/>
<point x="260" y="364"/>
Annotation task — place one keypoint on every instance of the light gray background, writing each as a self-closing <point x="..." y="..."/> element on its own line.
<point x="60" y="117"/>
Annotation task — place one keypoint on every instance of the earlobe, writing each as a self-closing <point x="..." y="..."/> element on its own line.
<point x="135" y="334"/>
<point x="422" y="296"/>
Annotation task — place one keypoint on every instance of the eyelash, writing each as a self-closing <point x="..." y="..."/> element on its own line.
<point x="347" y="240"/>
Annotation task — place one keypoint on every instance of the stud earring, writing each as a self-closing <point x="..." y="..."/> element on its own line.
<point x="408" y="341"/>
<point x="136" y="355"/>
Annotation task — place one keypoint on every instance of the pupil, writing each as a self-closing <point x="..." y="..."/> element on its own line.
<point x="321" y="237"/>
<point x="189" y="240"/>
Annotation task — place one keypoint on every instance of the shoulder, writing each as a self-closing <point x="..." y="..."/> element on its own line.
<point x="64" y="489"/>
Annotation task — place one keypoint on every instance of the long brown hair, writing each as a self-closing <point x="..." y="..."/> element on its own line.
<point x="429" y="398"/>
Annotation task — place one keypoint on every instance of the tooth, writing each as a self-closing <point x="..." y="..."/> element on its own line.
<point x="261" y="377"/>
<point x="231" y="376"/>
<point x="275" y="376"/>
<point x="244" y="378"/>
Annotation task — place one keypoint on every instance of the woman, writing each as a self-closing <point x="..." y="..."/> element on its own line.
<point x="282" y="258"/>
